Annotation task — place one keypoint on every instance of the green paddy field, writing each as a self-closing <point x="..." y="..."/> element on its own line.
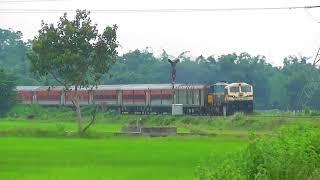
<point x="38" y="147"/>
<point x="111" y="158"/>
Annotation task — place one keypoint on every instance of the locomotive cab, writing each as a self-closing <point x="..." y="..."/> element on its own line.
<point x="239" y="98"/>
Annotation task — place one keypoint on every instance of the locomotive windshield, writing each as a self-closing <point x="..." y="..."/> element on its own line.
<point x="245" y="88"/>
<point x="234" y="89"/>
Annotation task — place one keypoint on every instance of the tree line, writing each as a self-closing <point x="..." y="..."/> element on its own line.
<point x="274" y="87"/>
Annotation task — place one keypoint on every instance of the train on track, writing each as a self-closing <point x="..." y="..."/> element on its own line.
<point x="220" y="98"/>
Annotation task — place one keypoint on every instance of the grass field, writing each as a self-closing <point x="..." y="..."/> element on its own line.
<point x="63" y="119"/>
<point x="37" y="147"/>
<point x="113" y="158"/>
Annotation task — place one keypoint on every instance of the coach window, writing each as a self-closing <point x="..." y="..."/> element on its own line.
<point x="234" y="89"/>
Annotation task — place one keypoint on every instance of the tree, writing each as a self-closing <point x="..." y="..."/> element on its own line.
<point x="13" y="53"/>
<point x="7" y="92"/>
<point x="74" y="54"/>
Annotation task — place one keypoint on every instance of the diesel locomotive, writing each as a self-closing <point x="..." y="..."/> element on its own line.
<point x="220" y="98"/>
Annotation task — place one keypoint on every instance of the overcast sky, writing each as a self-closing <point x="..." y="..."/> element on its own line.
<point x="274" y="33"/>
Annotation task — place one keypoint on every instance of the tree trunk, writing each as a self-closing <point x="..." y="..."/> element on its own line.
<point x="79" y="117"/>
<point x="76" y="103"/>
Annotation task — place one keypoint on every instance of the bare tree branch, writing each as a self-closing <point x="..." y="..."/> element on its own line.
<point x="57" y="79"/>
<point x="93" y="114"/>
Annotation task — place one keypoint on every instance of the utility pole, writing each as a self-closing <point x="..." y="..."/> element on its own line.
<point x="317" y="58"/>
<point x="312" y="86"/>
<point x="173" y="75"/>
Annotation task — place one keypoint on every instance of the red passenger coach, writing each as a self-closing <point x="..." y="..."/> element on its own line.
<point x="26" y="94"/>
<point x="166" y="97"/>
<point x="83" y="96"/>
<point x="139" y="97"/>
<point x="156" y="97"/>
<point x="49" y="95"/>
<point x="160" y="97"/>
<point x="105" y="97"/>
<point x="127" y="97"/>
<point x="131" y="97"/>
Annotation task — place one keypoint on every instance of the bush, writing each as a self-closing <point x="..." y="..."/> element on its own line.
<point x="315" y="113"/>
<point x="292" y="153"/>
<point x="307" y="111"/>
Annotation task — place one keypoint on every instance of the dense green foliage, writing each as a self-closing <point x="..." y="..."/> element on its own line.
<point x="7" y="93"/>
<point x="292" y="153"/>
<point x="13" y="56"/>
<point x="274" y="87"/>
